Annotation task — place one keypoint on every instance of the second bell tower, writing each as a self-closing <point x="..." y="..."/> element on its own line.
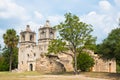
<point x="46" y="33"/>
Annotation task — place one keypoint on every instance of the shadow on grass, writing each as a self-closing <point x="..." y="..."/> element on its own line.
<point x="105" y="75"/>
<point x="60" y="73"/>
<point x="115" y="76"/>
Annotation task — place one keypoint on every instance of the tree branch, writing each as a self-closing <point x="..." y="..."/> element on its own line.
<point x="67" y="54"/>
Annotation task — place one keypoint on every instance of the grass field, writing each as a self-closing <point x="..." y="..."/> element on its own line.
<point x="60" y="76"/>
<point x="109" y="76"/>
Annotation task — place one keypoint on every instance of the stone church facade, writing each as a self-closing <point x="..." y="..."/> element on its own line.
<point x="31" y="56"/>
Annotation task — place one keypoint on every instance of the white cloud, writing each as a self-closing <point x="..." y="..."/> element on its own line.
<point x="105" y="5"/>
<point x="9" y="9"/>
<point x="104" y="20"/>
<point x="102" y="23"/>
<point x="117" y="2"/>
<point x="93" y="18"/>
<point x="1" y="32"/>
<point x="1" y="39"/>
<point x="33" y="25"/>
<point x="55" y="19"/>
<point x="38" y="15"/>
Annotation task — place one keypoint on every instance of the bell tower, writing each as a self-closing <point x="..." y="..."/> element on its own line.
<point x="27" y="37"/>
<point x="46" y="33"/>
<point x="26" y="54"/>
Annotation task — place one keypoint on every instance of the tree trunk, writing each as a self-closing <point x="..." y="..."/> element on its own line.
<point x="10" y="63"/>
<point x="75" y="63"/>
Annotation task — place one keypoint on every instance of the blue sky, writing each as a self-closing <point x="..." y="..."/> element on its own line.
<point x="102" y="14"/>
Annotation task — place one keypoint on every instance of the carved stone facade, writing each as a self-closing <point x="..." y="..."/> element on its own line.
<point x="32" y="57"/>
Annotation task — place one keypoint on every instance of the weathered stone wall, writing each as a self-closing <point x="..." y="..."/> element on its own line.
<point x="67" y="61"/>
<point x="48" y="65"/>
<point x="104" y="65"/>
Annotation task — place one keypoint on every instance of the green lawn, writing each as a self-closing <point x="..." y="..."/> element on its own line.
<point x="17" y="74"/>
<point x="57" y="76"/>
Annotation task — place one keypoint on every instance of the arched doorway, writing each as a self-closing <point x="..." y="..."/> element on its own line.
<point x="31" y="67"/>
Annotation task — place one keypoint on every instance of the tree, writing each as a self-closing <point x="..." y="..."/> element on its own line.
<point x="15" y="58"/>
<point x="0" y="47"/>
<point x="4" y="59"/>
<point x="11" y="41"/>
<point x="110" y="47"/>
<point x="74" y="36"/>
<point x="85" y="61"/>
<point x="3" y="66"/>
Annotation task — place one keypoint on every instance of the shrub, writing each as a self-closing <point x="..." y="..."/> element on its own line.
<point x="84" y="62"/>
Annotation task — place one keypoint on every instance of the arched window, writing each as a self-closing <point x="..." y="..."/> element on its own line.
<point x="28" y="55"/>
<point x="31" y="38"/>
<point x="22" y="62"/>
<point x="34" y="54"/>
<point x="23" y="37"/>
<point x="43" y="34"/>
<point x="51" y="35"/>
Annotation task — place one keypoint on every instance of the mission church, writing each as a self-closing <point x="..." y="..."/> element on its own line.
<point x="31" y="56"/>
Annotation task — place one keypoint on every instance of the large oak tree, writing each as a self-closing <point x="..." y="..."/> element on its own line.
<point x="74" y="37"/>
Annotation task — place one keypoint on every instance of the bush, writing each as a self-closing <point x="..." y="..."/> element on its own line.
<point x="3" y="65"/>
<point x="84" y="62"/>
<point x="118" y="68"/>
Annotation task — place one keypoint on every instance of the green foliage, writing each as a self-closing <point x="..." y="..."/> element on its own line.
<point x="3" y="64"/>
<point x="110" y="48"/>
<point x="15" y="58"/>
<point x="118" y="68"/>
<point x="5" y="58"/>
<point x="76" y="33"/>
<point x="75" y="36"/>
<point x="85" y="62"/>
<point x="0" y="47"/>
<point x="10" y="38"/>
<point x="11" y="41"/>
<point x="57" y="46"/>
